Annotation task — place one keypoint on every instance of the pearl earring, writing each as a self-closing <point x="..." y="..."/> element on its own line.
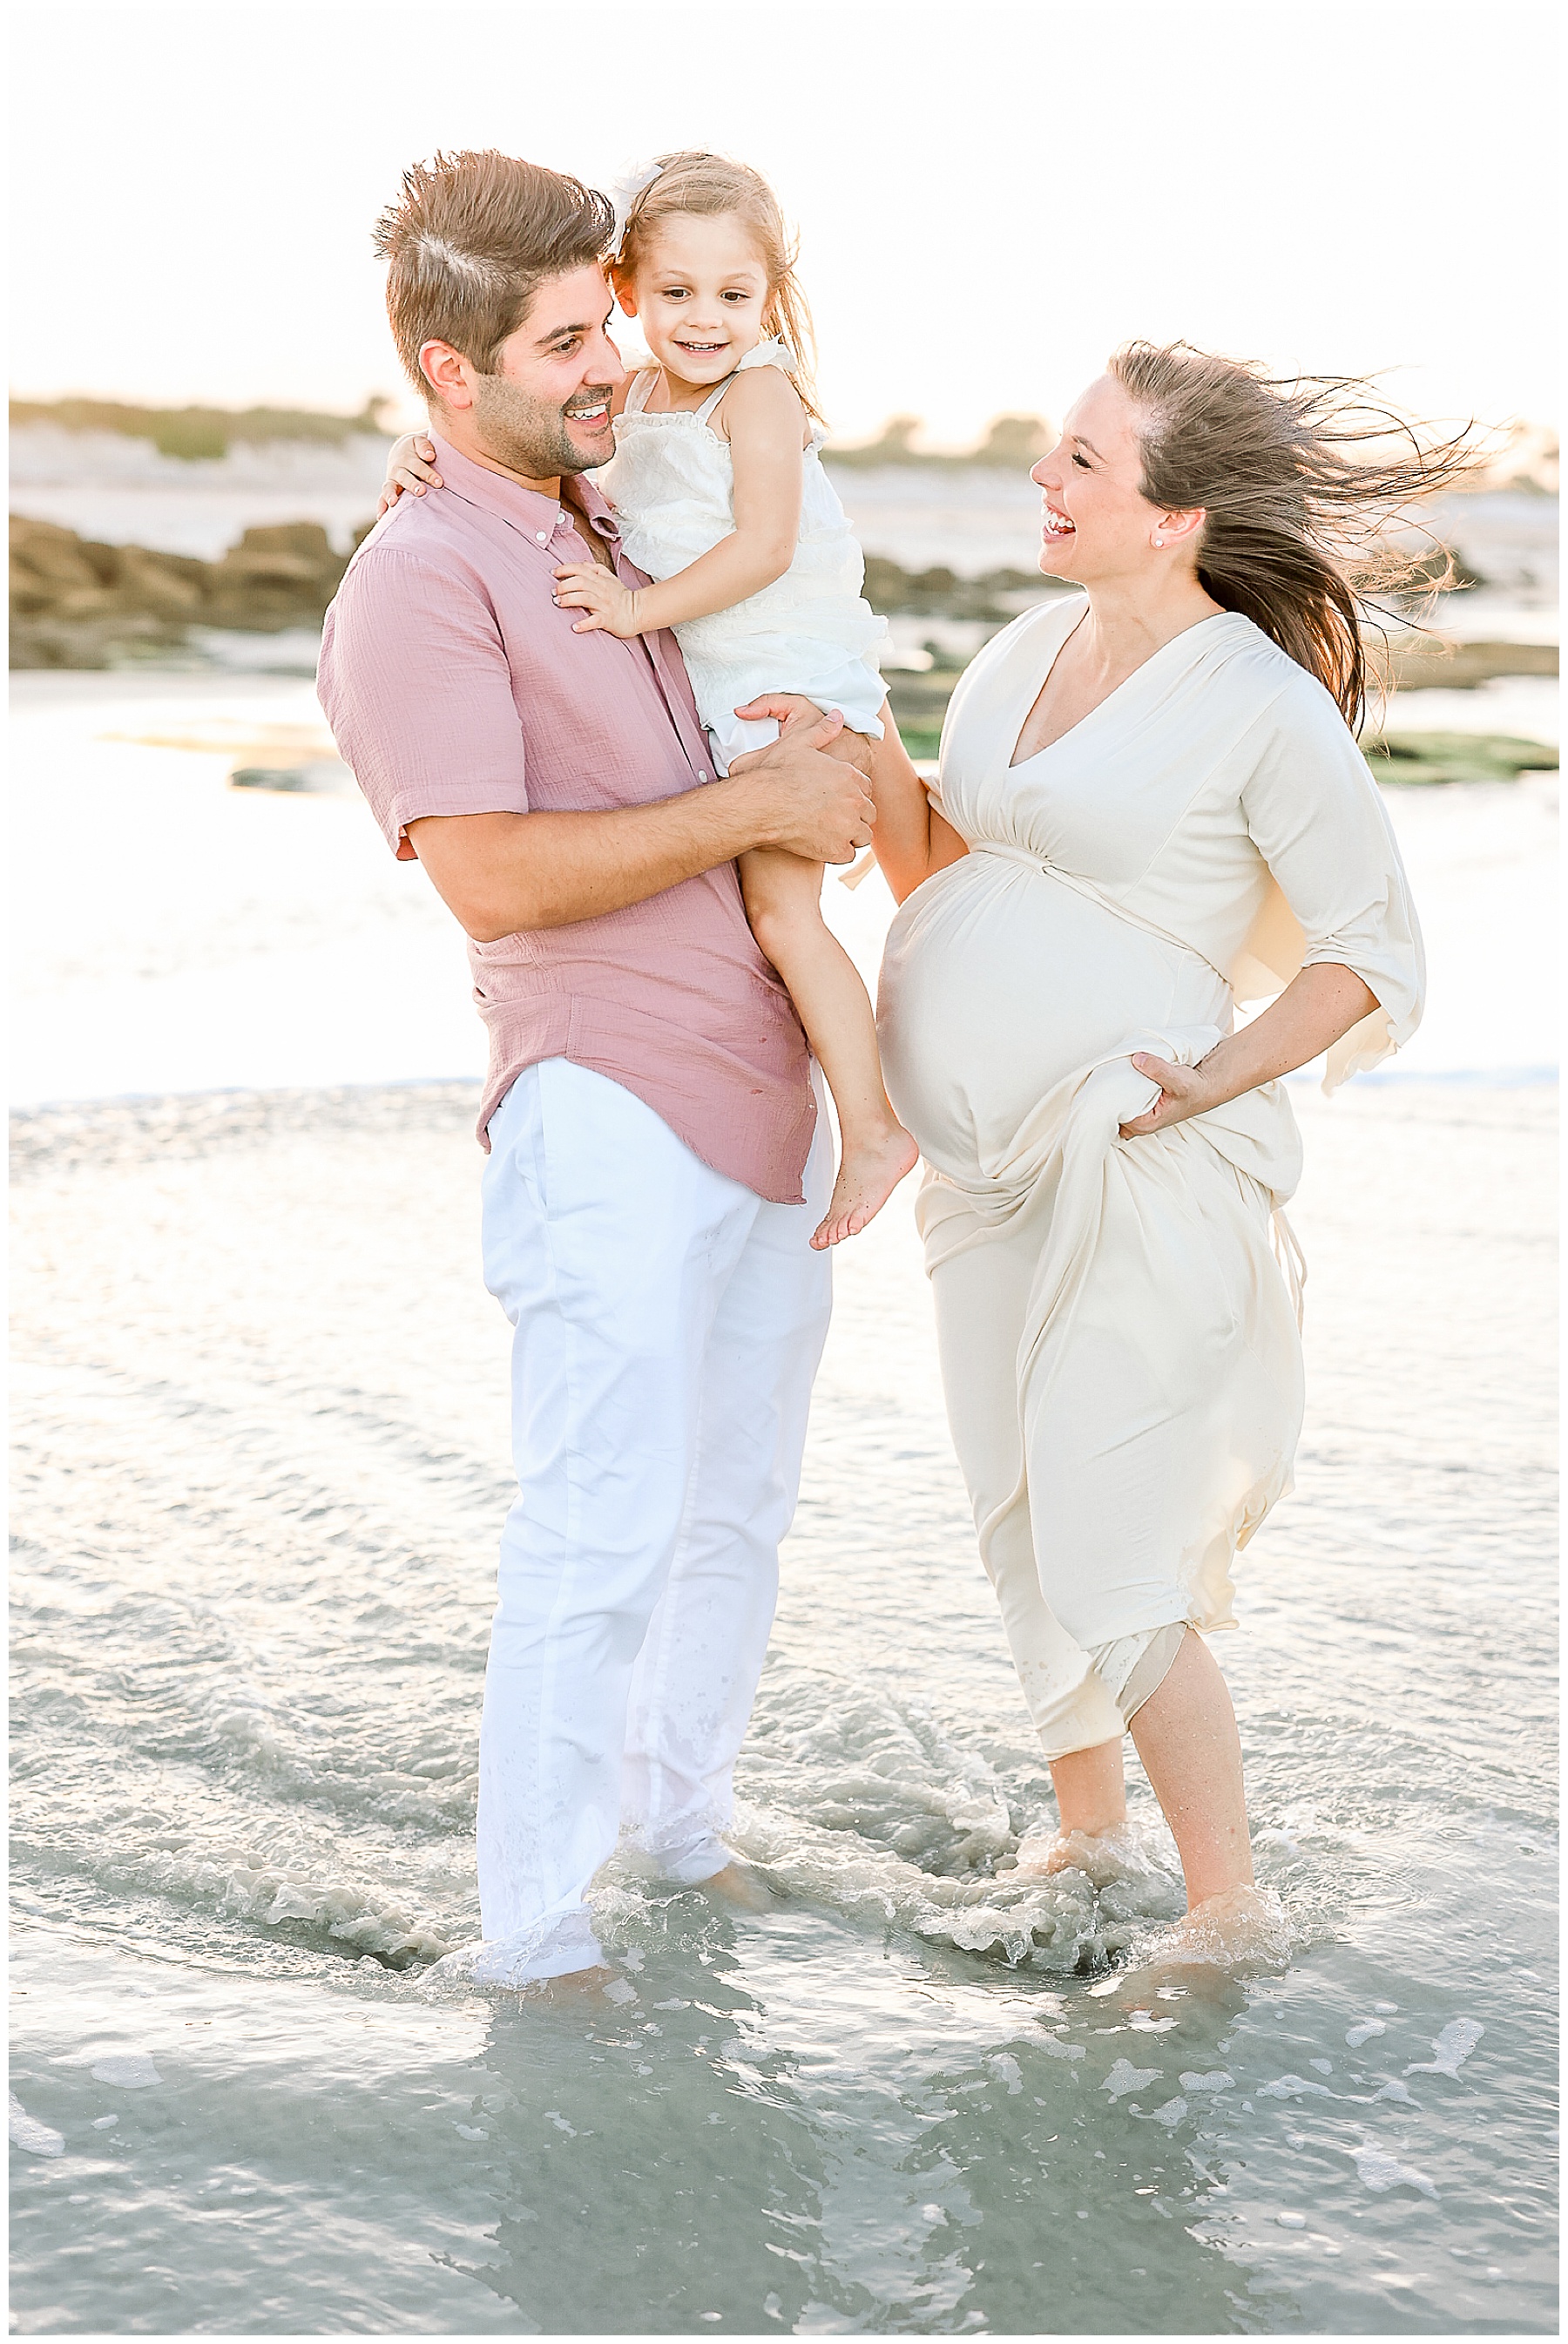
<point x="1160" y="541"/>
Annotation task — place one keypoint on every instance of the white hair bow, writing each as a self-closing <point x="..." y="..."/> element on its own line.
<point x="624" y="194"/>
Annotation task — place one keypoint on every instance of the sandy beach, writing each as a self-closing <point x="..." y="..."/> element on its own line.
<point x="260" y="1484"/>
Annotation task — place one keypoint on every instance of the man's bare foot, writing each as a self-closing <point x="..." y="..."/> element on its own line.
<point x="868" y="1176"/>
<point x="739" y="1885"/>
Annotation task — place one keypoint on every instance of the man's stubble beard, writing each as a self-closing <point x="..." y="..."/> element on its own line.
<point x="524" y="434"/>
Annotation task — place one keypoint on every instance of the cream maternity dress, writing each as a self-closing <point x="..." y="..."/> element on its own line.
<point x="1118" y="1319"/>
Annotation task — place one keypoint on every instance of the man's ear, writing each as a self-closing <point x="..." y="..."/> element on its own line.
<point x="447" y="372"/>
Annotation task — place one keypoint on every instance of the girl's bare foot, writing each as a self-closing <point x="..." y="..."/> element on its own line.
<point x="868" y="1176"/>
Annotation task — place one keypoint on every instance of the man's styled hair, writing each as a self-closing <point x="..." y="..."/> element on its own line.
<point x="469" y="243"/>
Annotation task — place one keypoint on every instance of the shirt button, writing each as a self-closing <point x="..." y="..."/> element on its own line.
<point x="704" y="776"/>
<point x="543" y="535"/>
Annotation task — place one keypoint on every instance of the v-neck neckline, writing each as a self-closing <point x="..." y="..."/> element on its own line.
<point x="1017" y="763"/>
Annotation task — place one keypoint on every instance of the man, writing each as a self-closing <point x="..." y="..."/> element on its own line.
<point x="655" y="1162"/>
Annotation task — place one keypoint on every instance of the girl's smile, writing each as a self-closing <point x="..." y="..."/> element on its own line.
<point x="699" y="294"/>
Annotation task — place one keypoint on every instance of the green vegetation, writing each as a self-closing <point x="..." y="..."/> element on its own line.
<point x="193" y="432"/>
<point x="921" y="740"/>
<point x="1412" y="757"/>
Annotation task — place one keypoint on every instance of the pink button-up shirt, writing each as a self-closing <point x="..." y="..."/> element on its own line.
<point x="453" y="686"/>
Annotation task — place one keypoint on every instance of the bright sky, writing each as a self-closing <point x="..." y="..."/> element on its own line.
<point x="989" y="195"/>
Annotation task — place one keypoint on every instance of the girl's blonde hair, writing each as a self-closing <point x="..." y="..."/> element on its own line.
<point x="707" y="186"/>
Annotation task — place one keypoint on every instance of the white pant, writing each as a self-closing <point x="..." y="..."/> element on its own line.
<point x="669" y="1327"/>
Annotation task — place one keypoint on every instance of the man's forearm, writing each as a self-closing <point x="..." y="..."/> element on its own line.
<point x="547" y="870"/>
<point x="500" y="873"/>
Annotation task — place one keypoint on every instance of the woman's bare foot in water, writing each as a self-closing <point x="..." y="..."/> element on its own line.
<point x="739" y="1885"/>
<point x="572" y="1990"/>
<point x="1241" y="1929"/>
<point x="868" y="1174"/>
<point x="1103" y="1855"/>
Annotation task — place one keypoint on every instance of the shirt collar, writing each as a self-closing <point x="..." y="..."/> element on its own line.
<point x="536" y="516"/>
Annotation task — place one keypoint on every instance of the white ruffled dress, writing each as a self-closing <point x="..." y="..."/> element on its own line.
<point x="672" y="483"/>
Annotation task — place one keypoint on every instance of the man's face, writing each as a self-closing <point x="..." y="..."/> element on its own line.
<point x="544" y="411"/>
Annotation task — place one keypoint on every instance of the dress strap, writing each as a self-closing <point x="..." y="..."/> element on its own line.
<point x="642" y="383"/>
<point x="711" y="403"/>
<point x="774" y="353"/>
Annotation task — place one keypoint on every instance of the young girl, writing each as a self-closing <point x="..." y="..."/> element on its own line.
<point x="722" y="500"/>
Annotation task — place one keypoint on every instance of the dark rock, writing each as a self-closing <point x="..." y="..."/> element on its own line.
<point x="55" y="559"/>
<point x="998" y="595"/>
<point x="77" y="603"/>
<point x="317" y="777"/>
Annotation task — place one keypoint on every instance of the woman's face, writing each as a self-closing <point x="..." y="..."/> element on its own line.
<point x="1097" y="524"/>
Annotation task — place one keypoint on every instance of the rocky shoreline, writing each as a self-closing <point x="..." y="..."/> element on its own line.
<point x="78" y="603"/>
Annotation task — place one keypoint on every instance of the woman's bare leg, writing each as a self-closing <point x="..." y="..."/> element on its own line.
<point x="1090" y="1800"/>
<point x="783" y="903"/>
<point x="1090" y="1790"/>
<point x="1186" y="1735"/>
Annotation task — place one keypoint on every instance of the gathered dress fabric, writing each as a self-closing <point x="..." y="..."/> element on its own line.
<point x="1118" y="1319"/>
<point x="672" y="483"/>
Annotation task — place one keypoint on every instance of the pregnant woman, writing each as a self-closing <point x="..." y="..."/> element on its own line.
<point x="1150" y="807"/>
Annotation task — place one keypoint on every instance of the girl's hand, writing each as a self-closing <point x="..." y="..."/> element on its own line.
<point x="411" y="465"/>
<point x="609" y="606"/>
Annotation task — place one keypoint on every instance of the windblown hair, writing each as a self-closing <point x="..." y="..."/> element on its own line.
<point x="708" y="187"/>
<point x="1299" y="481"/>
<point x="470" y="241"/>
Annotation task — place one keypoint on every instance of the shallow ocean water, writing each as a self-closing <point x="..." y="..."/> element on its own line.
<point x="262" y="1427"/>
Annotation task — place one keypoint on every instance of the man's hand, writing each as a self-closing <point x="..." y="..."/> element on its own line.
<point x="795" y="716"/>
<point x="605" y="603"/>
<point x="798" y="797"/>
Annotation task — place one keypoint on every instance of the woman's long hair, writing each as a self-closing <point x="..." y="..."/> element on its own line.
<point x="695" y="182"/>
<point x="1299" y="486"/>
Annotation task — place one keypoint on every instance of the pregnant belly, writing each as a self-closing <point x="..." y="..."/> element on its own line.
<point x="999" y="981"/>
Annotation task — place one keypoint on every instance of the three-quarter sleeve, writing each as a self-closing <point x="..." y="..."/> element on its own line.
<point x="416" y="684"/>
<point x="1314" y="813"/>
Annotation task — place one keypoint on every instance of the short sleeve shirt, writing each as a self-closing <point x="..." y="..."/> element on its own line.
<point x="453" y="686"/>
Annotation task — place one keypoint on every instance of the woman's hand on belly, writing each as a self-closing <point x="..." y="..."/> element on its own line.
<point x="1183" y="1092"/>
<point x="1315" y="1009"/>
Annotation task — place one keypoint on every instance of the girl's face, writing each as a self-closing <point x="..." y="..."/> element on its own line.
<point x="1098" y="523"/>
<point x="698" y="294"/>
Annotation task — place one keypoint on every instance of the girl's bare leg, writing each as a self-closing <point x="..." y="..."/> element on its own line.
<point x="783" y="903"/>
